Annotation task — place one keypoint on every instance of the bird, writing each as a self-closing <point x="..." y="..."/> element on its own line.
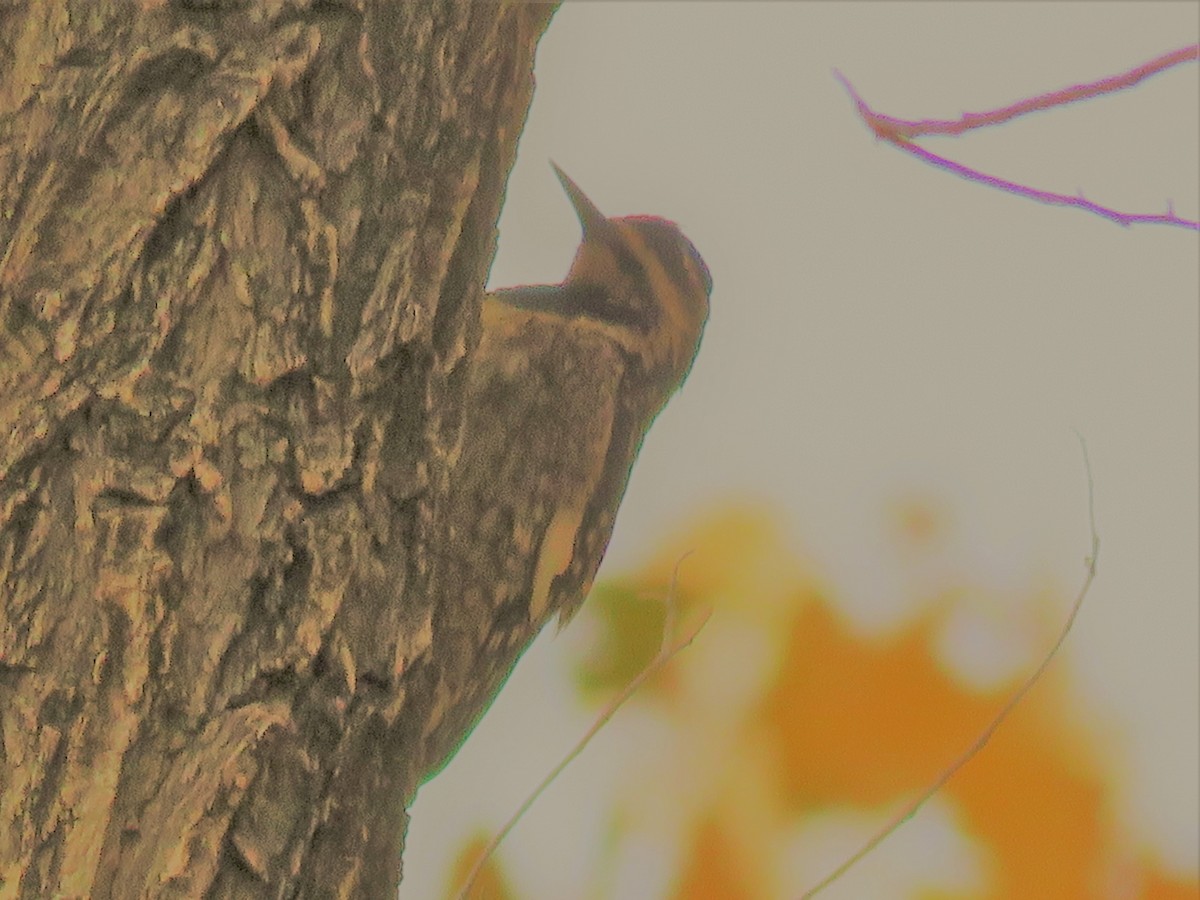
<point x="560" y="391"/>
<point x="567" y="380"/>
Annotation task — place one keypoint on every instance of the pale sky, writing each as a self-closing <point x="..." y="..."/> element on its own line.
<point x="880" y="330"/>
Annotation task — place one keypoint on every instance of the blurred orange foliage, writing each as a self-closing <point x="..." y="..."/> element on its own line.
<point x="490" y="883"/>
<point x="781" y="715"/>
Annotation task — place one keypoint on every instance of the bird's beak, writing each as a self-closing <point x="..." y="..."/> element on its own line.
<point x="592" y="220"/>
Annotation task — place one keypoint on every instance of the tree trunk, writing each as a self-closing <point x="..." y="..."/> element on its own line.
<point x="242" y="251"/>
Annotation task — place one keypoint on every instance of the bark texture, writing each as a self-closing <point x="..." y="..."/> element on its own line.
<point x="242" y="250"/>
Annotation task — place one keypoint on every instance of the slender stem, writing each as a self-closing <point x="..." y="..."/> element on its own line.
<point x="986" y="735"/>
<point x="892" y="128"/>
<point x="667" y="651"/>
<point x="902" y="133"/>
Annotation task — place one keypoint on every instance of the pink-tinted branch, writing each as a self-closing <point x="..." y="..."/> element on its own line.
<point x="893" y="129"/>
<point x="1079" y="201"/>
<point x="902" y="132"/>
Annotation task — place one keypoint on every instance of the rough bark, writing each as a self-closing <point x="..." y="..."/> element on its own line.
<point x="242" y="250"/>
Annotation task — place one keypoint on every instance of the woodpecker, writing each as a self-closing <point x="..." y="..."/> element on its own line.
<point x="637" y="279"/>
<point x="562" y="388"/>
<point x="560" y="391"/>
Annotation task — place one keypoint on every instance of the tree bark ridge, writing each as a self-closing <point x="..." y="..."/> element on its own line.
<point x="242" y="252"/>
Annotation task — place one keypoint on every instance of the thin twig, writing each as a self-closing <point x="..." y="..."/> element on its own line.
<point x="902" y="134"/>
<point x="1049" y="197"/>
<point x="892" y="128"/>
<point x="667" y="651"/>
<point x="986" y="735"/>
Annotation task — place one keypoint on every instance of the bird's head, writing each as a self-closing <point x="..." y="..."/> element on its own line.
<point x="641" y="275"/>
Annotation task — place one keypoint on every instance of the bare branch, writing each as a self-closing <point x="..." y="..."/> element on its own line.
<point x="902" y="133"/>
<point x="986" y="735"/>
<point x="667" y="651"/>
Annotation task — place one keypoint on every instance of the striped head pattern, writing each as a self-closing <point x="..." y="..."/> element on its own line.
<point x="641" y="275"/>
